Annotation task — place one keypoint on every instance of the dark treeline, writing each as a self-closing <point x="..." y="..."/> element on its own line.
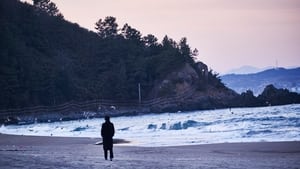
<point x="45" y="60"/>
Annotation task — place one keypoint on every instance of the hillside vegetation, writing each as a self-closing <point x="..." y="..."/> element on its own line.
<point x="46" y="60"/>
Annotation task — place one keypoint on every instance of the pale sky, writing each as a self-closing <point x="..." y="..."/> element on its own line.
<point x="227" y="33"/>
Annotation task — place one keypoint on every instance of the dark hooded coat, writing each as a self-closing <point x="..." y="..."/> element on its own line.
<point x="107" y="133"/>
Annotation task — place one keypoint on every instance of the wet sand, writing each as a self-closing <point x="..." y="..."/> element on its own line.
<point x="65" y="152"/>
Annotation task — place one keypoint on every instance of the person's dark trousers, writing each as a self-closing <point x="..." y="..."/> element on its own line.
<point x="111" y="154"/>
<point x="108" y="146"/>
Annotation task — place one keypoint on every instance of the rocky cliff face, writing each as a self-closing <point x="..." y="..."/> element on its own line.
<point x="192" y="87"/>
<point x="175" y="83"/>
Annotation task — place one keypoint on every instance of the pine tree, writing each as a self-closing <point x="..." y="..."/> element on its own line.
<point x="48" y="7"/>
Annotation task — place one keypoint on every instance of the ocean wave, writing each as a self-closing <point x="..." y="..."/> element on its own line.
<point x="256" y="132"/>
<point x="276" y="123"/>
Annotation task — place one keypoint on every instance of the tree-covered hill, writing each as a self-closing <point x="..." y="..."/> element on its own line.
<point x="46" y="60"/>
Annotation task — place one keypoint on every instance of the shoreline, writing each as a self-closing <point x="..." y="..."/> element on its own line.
<point x="23" y="119"/>
<point x="117" y="141"/>
<point x="81" y="152"/>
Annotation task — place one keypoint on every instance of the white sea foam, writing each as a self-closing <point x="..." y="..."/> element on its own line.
<point x="276" y="123"/>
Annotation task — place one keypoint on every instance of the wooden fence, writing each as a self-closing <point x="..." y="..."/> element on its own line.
<point x="96" y="105"/>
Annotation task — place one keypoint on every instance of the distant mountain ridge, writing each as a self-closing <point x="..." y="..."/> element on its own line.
<point x="247" y="69"/>
<point x="256" y="82"/>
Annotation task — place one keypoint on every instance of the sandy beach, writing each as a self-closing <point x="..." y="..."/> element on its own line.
<point x="65" y="152"/>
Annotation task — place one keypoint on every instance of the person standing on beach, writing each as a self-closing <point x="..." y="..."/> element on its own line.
<point x="107" y="133"/>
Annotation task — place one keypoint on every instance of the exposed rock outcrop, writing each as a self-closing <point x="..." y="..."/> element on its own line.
<point x="192" y="87"/>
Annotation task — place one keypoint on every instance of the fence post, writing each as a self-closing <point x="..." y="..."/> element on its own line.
<point x="140" y="97"/>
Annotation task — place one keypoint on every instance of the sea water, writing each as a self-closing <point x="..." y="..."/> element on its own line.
<point x="273" y="123"/>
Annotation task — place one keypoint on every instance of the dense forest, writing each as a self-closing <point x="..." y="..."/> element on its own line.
<point x="46" y="60"/>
